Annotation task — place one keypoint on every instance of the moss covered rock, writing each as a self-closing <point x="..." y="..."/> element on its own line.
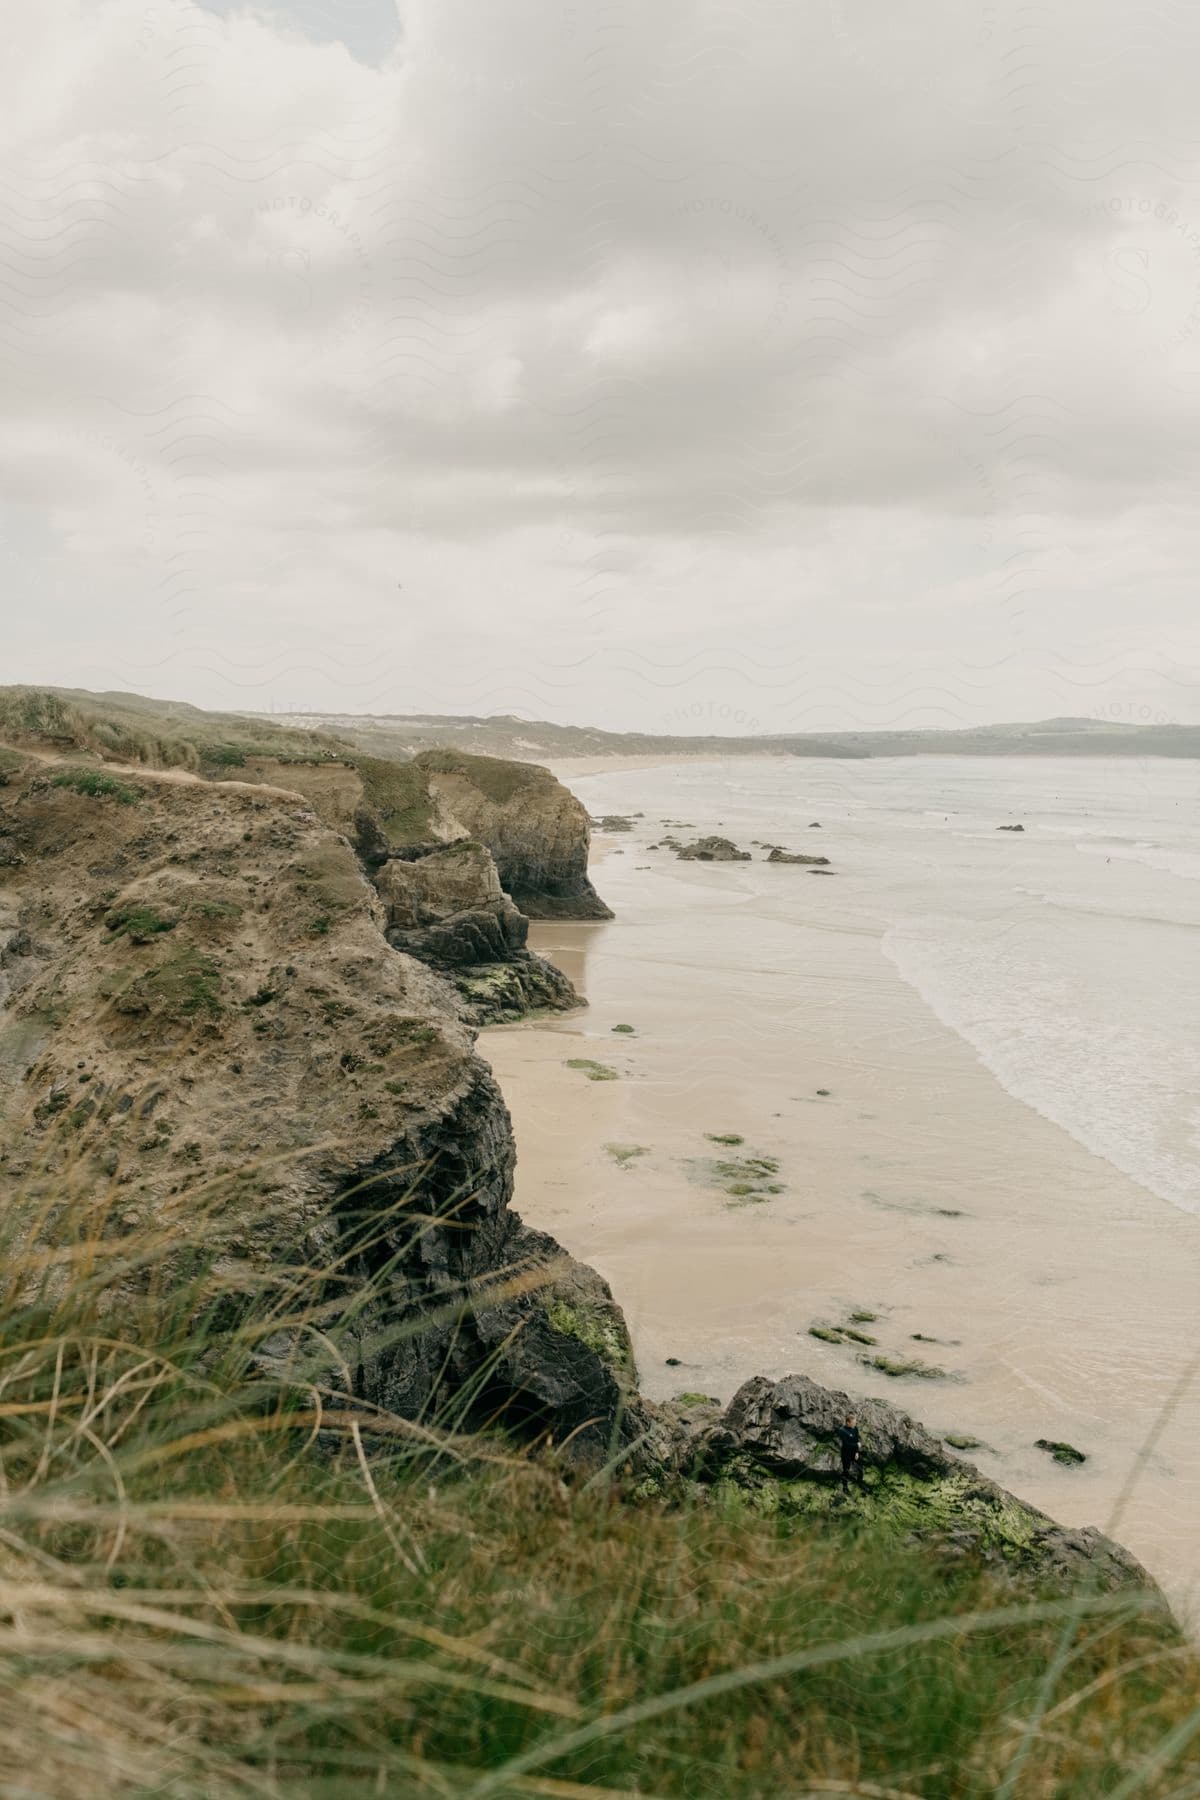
<point x="776" y="1447"/>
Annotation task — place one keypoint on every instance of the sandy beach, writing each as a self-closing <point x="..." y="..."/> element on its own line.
<point x="1057" y="1295"/>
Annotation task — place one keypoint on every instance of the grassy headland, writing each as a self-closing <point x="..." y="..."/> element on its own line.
<point x="221" y="1581"/>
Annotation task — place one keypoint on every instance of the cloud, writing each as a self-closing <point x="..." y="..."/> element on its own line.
<point x="591" y="362"/>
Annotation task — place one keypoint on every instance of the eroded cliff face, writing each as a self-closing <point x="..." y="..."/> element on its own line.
<point x="202" y="1000"/>
<point x="535" y="828"/>
<point x="445" y="905"/>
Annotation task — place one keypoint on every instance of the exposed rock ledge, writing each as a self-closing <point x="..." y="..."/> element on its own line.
<point x="444" y="904"/>
<point x="777" y="1440"/>
<point x="535" y="828"/>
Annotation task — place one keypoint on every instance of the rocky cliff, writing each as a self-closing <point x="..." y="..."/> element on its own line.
<point x="445" y="905"/>
<point x="536" y="829"/>
<point x="201" y="998"/>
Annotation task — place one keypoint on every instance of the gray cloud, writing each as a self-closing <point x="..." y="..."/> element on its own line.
<point x="839" y="365"/>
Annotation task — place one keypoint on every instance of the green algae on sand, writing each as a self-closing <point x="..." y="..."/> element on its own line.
<point x="1066" y="1454"/>
<point x="595" y="1071"/>
<point x="624" y="1154"/>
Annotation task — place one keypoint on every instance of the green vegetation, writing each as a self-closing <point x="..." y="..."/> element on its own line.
<point x="330" y="878"/>
<point x="623" y="1028"/>
<point x="961" y="1440"/>
<point x="601" y="1331"/>
<point x="1066" y="1454"/>
<point x="724" y="1137"/>
<point x="623" y="1154"/>
<point x="33" y="712"/>
<point x="745" y="1178"/>
<point x="698" y="1399"/>
<point x="841" y="1334"/>
<point x="96" y="784"/>
<point x="595" y="1071"/>
<point x="207" y="1600"/>
<point x="225" y="756"/>
<point x="138" y="922"/>
<point x="890" y="1365"/>
<point x="157" y="733"/>
<point x="399" y="794"/>
<point x="497" y="779"/>
<point x="185" y="987"/>
<point x="862" y="1317"/>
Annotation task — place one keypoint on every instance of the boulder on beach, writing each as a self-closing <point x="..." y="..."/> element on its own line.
<point x="778" y="1439"/>
<point x="786" y="856"/>
<point x="712" y="849"/>
<point x="1010" y="828"/>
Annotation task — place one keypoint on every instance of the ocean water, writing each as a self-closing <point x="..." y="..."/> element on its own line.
<point x="1067" y="955"/>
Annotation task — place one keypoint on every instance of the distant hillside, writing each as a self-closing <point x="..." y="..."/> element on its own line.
<point x="171" y="733"/>
<point x="503" y="734"/>
<point x="391" y="735"/>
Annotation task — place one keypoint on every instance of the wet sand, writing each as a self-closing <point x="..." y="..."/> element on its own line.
<point x="1061" y="1294"/>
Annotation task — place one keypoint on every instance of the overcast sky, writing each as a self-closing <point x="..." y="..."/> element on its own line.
<point x="738" y="363"/>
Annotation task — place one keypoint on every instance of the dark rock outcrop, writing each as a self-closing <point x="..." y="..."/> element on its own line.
<point x="786" y="856"/>
<point x="712" y="849"/>
<point x="448" y="907"/>
<point x="444" y="904"/>
<point x="465" y="1299"/>
<point x="1010" y="828"/>
<point x="779" y="1439"/>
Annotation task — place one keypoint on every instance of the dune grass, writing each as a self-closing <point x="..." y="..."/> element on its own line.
<point x="219" y="1577"/>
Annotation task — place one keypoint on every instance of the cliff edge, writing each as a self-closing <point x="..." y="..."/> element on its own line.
<point x="199" y="997"/>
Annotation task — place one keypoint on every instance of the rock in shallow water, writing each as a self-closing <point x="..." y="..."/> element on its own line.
<point x="712" y="849"/>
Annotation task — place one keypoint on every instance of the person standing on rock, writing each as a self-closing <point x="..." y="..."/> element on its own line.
<point x="850" y="1444"/>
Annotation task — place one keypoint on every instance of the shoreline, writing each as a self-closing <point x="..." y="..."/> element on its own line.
<point x="916" y="1189"/>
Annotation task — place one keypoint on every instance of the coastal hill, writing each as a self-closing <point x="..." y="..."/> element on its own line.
<point x="278" y="1350"/>
<point x="502" y="734"/>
